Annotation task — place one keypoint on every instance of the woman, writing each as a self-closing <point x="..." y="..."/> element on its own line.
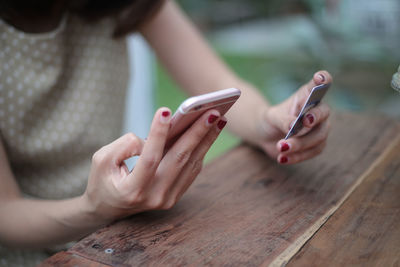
<point x="62" y="81"/>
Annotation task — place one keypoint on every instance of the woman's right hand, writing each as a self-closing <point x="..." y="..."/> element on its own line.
<point x="158" y="180"/>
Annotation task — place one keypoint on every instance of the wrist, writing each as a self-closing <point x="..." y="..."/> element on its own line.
<point x="89" y="212"/>
<point x="265" y="120"/>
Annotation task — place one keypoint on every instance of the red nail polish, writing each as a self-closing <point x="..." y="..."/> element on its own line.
<point x="165" y="113"/>
<point x="283" y="160"/>
<point x="310" y="118"/>
<point x="284" y="147"/>
<point x="221" y="124"/>
<point x="212" y="118"/>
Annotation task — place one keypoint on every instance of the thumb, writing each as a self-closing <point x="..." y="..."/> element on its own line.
<point x="126" y="146"/>
<point x="279" y="118"/>
<point x="300" y="97"/>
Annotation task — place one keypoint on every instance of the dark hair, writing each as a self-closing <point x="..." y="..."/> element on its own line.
<point x="129" y="14"/>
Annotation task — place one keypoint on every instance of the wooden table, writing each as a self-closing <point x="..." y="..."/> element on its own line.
<point x="341" y="208"/>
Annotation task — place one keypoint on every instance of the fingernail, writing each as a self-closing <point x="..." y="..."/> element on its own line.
<point x="310" y="118"/>
<point x="221" y="124"/>
<point x="165" y="116"/>
<point x="321" y="77"/>
<point x="212" y="118"/>
<point x="283" y="160"/>
<point x="284" y="147"/>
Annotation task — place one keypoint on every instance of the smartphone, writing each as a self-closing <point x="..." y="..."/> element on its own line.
<point x="316" y="95"/>
<point x="192" y="108"/>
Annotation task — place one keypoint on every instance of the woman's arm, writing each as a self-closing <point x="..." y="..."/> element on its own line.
<point x="158" y="181"/>
<point x="37" y="223"/>
<point x="197" y="69"/>
<point x="194" y="65"/>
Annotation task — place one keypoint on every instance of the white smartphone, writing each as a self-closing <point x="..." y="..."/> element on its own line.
<point x="316" y="95"/>
<point x="192" y="108"/>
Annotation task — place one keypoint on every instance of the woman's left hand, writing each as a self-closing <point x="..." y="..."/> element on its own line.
<point x="276" y="122"/>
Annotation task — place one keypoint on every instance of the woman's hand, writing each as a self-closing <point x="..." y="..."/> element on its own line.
<point x="159" y="178"/>
<point x="276" y="122"/>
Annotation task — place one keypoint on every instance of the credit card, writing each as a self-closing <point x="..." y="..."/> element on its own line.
<point x="316" y="95"/>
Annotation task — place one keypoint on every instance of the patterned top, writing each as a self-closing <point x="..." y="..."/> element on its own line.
<point x="61" y="99"/>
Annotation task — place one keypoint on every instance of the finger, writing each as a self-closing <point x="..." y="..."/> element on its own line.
<point x="321" y="77"/>
<point x="302" y="94"/>
<point x="296" y="144"/>
<point x="194" y="164"/>
<point x="284" y="120"/>
<point x="316" y="115"/>
<point x="153" y="148"/>
<point x="121" y="149"/>
<point x="128" y="145"/>
<point x="178" y="155"/>
<point x="300" y="97"/>
<point x="303" y="129"/>
<point x="301" y="156"/>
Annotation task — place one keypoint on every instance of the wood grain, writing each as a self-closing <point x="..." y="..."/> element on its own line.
<point x="68" y="259"/>
<point x="243" y="208"/>
<point x="365" y="231"/>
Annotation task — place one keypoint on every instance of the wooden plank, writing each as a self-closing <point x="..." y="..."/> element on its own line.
<point x="289" y="252"/>
<point x="365" y="230"/>
<point x="243" y="208"/>
<point x="67" y="259"/>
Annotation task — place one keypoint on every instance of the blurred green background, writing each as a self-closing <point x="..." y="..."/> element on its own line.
<point x="277" y="45"/>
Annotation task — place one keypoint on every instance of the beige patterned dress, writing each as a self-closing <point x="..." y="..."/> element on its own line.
<point x="61" y="98"/>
